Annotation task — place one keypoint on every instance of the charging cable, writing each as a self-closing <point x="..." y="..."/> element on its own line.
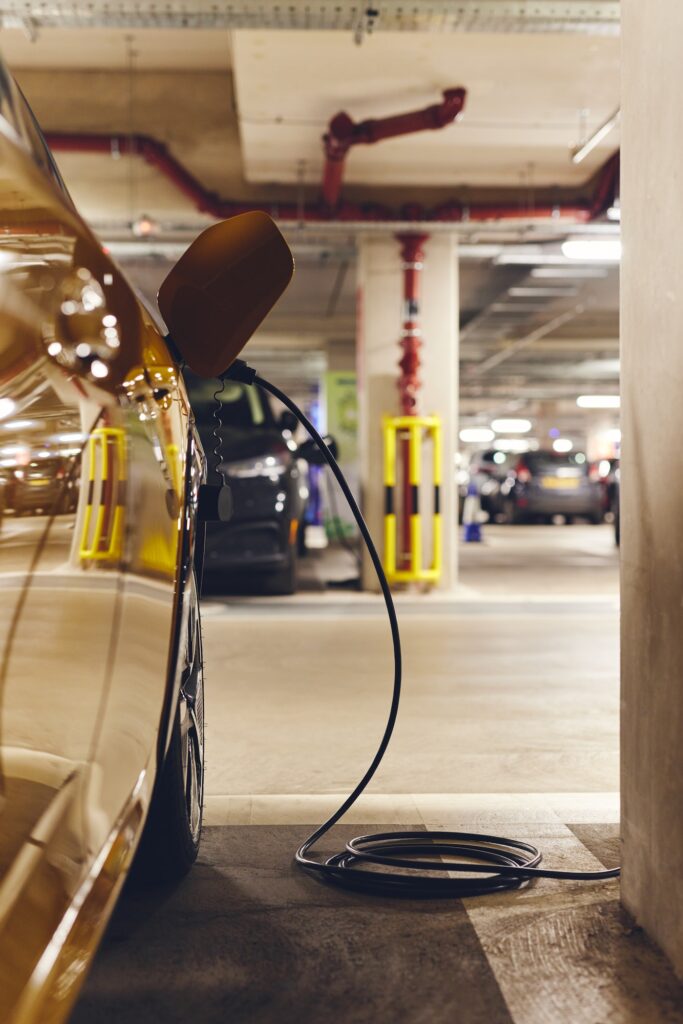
<point x="431" y="863"/>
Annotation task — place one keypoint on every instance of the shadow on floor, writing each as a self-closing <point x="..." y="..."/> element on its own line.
<point x="248" y="938"/>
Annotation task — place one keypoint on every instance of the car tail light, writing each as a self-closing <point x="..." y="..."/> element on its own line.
<point x="523" y="473"/>
<point x="594" y="473"/>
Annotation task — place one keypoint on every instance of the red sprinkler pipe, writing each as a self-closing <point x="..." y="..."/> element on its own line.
<point x="157" y="155"/>
<point x="343" y="133"/>
<point x="412" y="255"/>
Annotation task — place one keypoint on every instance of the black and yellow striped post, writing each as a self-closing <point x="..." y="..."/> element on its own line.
<point x="102" y="533"/>
<point x="414" y="429"/>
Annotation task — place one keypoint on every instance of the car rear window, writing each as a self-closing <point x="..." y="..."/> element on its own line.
<point x="552" y="462"/>
<point x="243" y="406"/>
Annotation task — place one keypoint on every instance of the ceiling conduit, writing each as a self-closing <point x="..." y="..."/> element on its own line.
<point x="157" y="155"/>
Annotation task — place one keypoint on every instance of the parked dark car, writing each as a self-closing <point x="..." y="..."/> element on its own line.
<point x="43" y="485"/>
<point x="264" y="468"/>
<point x="489" y="471"/>
<point x="543" y="484"/>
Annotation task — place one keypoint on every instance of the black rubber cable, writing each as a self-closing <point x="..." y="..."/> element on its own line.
<point x="427" y="860"/>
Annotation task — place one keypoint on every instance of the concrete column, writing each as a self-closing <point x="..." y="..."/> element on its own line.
<point x="380" y="280"/>
<point x="652" y="471"/>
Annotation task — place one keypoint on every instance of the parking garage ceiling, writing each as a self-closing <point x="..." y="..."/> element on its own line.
<point x="242" y="96"/>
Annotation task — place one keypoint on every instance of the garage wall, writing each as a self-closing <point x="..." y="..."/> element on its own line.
<point x="652" y="470"/>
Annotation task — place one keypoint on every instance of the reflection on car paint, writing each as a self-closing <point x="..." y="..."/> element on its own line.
<point x="93" y="445"/>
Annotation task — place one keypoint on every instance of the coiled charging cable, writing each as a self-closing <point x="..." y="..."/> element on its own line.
<point x="431" y="863"/>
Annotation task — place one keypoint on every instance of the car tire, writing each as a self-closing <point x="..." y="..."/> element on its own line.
<point x="283" y="582"/>
<point x="170" y="841"/>
<point x="596" y="518"/>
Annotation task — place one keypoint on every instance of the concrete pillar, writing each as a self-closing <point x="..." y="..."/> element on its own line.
<point x="652" y="471"/>
<point x="380" y="308"/>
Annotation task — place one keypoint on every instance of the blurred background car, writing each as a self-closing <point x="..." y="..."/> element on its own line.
<point x="42" y="485"/>
<point x="489" y="471"/>
<point x="266" y="470"/>
<point x="543" y="484"/>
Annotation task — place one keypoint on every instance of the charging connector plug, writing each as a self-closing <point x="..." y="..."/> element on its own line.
<point x="240" y="371"/>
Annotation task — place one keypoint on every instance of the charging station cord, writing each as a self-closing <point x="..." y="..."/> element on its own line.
<point x="431" y="863"/>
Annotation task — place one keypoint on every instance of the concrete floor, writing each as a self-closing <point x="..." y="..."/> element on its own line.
<point x="512" y="693"/>
<point x="509" y="725"/>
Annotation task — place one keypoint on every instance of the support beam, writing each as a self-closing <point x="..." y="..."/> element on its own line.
<point x="651" y="477"/>
<point x="380" y="291"/>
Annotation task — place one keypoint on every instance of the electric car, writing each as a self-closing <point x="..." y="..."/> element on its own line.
<point x="255" y="452"/>
<point x="101" y="673"/>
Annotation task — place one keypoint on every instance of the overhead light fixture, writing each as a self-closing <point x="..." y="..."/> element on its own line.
<point x="7" y="407"/>
<point x="598" y="401"/>
<point x="614" y="211"/>
<point x="540" y="293"/>
<point x="580" y="152"/>
<point x="476" y="435"/>
<point x="562" y="445"/>
<point x="65" y="438"/>
<point x="20" y="424"/>
<point x="568" y="273"/>
<point x="511" y="426"/>
<point x="516" y="444"/>
<point x="144" y="226"/>
<point x="604" y="250"/>
<point x="514" y="307"/>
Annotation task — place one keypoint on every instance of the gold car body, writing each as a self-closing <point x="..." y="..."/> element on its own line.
<point x="91" y="582"/>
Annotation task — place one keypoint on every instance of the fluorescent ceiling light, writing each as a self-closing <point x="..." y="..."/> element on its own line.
<point x="65" y="438"/>
<point x="579" y="153"/>
<point x="598" y="401"/>
<point x="515" y="307"/>
<point x="540" y="293"/>
<point x="562" y="444"/>
<point x="614" y="211"/>
<point x="606" y="250"/>
<point x="511" y="426"/>
<point x="476" y="435"/>
<point x="568" y="273"/>
<point x="516" y="444"/>
<point x="20" y="424"/>
<point x="7" y="407"/>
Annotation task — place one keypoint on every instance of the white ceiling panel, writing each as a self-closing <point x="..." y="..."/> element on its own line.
<point x="530" y="99"/>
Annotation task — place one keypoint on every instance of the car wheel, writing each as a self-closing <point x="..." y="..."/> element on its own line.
<point x="596" y="518"/>
<point x="170" y="841"/>
<point x="284" y="580"/>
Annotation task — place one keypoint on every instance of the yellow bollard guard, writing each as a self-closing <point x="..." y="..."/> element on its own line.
<point x="417" y="428"/>
<point x="102" y="533"/>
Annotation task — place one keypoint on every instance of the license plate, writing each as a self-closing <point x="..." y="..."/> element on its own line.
<point x="38" y="483"/>
<point x="568" y="483"/>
